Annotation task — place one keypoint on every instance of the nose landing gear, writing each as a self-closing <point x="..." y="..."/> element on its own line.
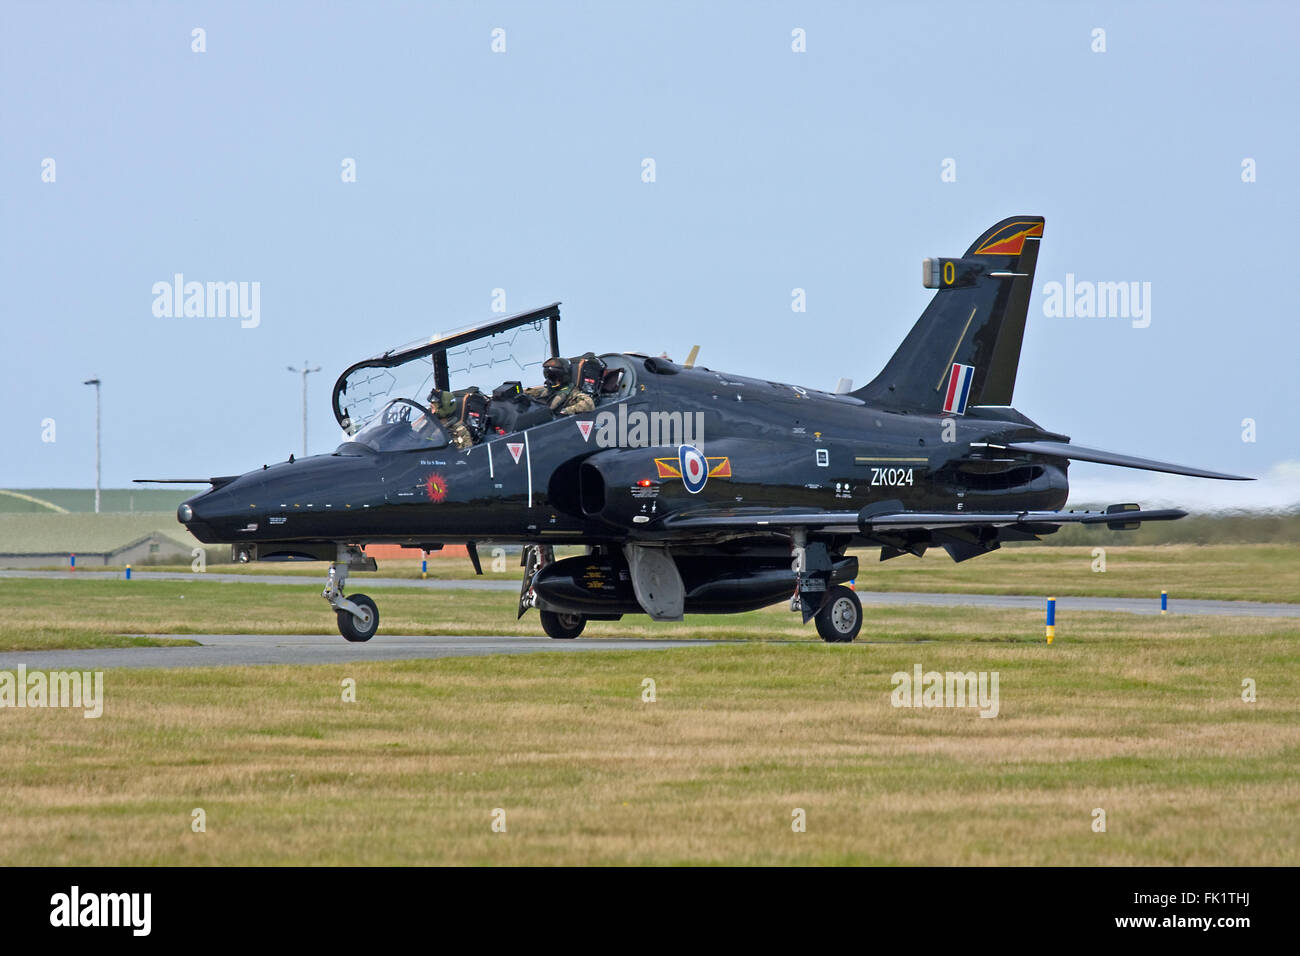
<point x="358" y="616"/>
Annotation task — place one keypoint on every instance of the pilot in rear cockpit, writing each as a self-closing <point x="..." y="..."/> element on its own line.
<point x="560" y="393"/>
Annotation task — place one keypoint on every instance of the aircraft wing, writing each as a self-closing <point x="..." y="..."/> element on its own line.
<point x="871" y="520"/>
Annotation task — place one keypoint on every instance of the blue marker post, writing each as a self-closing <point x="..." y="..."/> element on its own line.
<point x="1051" y="619"/>
<point x="72" y="562"/>
<point x="1164" y="602"/>
<point x="128" y="572"/>
<point x="424" y="566"/>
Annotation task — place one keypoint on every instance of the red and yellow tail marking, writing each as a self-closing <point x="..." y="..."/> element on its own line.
<point x="1010" y="239"/>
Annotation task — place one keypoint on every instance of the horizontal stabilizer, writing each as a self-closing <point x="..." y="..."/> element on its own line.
<point x="1063" y="449"/>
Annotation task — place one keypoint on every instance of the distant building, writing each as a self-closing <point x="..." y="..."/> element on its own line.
<point x="154" y="548"/>
<point x="48" y="540"/>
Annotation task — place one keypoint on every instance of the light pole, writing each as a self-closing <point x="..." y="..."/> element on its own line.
<point x="95" y="382"/>
<point x="304" y="371"/>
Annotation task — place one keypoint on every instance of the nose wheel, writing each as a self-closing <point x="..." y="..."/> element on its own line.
<point x="357" y="616"/>
<point x="358" y="627"/>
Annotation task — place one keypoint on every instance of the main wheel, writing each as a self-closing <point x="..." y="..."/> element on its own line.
<point x="562" y="626"/>
<point x="356" y="630"/>
<point x="840" y="618"/>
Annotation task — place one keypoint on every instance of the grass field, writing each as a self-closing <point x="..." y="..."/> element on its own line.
<point x="1140" y="717"/>
<point x="44" y="614"/>
<point x="1231" y="572"/>
<point x="88" y="611"/>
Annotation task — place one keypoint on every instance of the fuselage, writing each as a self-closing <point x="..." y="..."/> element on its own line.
<point x="613" y="474"/>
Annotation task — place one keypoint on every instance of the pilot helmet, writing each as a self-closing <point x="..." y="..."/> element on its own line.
<point x="444" y="403"/>
<point x="555" y="371"/>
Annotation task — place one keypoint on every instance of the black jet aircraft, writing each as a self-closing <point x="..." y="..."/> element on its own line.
<point x="691" y="490"/>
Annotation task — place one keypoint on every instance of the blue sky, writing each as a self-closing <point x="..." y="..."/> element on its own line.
<point x="521" y="170"/>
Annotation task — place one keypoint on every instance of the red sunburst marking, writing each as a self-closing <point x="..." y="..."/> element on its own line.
<point x="435" y="486"/>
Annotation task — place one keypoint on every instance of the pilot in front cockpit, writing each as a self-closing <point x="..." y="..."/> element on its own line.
<point x="445" y="406"/>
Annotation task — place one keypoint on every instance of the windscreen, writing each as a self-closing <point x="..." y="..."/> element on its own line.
<point x="369" y="390"/>
<point x="403" y="425"/>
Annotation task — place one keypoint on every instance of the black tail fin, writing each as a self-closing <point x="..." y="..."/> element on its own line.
<point x="965" y="348"/>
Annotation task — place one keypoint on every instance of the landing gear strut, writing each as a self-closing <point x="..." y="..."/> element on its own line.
<point x="358" y="617"/>
<point x="534" y="558"/>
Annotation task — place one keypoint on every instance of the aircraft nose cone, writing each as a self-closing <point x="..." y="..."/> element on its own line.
<point x="203" y="516"/>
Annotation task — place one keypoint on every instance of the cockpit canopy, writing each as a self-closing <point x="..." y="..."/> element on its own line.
<point x="507" y="348"/>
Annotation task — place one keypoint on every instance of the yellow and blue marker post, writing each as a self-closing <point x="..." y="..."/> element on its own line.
<point x="1051" y="619"/>
<point x="1164" y="602"/>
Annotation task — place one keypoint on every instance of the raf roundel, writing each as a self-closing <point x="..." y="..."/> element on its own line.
<point x="694" y="469"/>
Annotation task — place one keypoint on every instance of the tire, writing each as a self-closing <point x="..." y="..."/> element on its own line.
<point x="354" y="630"/>
<point x="840" y="619"/>
<point x="562" y="627"/>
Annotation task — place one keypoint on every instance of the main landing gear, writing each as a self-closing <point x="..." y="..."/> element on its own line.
<point x="560" y="626"/>
<point x="358" y="616"/>
<point x="840" y="618"/>
<point x="835" y="608"/>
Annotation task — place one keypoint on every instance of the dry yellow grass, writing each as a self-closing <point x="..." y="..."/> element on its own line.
<point x="1140" y="717"/>
<point x="1231" y="572"/>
